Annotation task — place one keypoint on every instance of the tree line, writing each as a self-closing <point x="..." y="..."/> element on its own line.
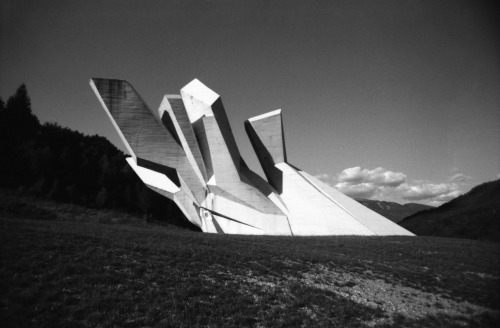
<point x="56" y="163"/>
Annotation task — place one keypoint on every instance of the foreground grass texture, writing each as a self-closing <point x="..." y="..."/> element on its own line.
<point x="89" y="274"/>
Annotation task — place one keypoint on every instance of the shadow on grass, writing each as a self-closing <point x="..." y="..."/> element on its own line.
<point x="443" y="320"/>
<point x="307" y="306"/>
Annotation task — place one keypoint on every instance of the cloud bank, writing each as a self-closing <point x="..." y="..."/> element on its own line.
<point x="358" y="190"/>
<point x="383" y="184"/>
<point x="440" y="192"/>
<point x="378" y="176"/>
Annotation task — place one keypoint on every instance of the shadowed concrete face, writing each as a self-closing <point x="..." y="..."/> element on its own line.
<point x="266" y="136"/>
<point x="186" y="151"/>
<point x="174" y="113"/>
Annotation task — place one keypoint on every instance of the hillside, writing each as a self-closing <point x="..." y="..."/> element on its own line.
<point x="60" y="266"/>
<point x="51" y="162"/>
<point x="474" y="215"/>
<point x="391" y="210"/>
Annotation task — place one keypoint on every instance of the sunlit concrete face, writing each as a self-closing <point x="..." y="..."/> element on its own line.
<point x="186" y="152"/>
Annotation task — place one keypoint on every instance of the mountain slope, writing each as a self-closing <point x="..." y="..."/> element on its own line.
<point x="393" y="211"/>
<point x="475" y="215"/>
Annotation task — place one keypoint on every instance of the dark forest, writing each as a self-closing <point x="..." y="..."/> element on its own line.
<point x="56" y="163"/>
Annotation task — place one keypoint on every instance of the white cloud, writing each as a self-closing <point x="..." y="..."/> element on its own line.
<point x="384" y="177"/>
<point x="387" y="185"/>
<point x="459" y="177"/>
<point x="352" y="175"/>
<point x="361" y="190"/>
<point x="378" y="176"/>
<point x="440" y="192"/>
<point x="322" y="176"/>
<point x="448" y="196"/>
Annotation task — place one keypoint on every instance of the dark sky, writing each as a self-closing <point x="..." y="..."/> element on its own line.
<point x="396" y="100"/>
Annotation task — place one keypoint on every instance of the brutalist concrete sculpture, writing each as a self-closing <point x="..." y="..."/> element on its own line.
<point x="186" y="151"/>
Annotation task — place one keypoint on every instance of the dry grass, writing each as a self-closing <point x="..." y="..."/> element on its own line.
<point x="79" y="273"/>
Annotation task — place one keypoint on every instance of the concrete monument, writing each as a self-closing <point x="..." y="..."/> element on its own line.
<point x="186" y="151"/>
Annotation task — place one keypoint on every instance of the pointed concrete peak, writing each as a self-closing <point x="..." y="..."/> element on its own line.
<point x="266" y="115"/>
<point x="94" y="80"/>
<point x="164" y="106"/>
<point x="198" y="90"/>
<point x="212" y="181"/>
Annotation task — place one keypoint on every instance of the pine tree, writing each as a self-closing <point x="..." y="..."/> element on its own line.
<point x="17" y="125"/>
<point x="20" y="121"/>
<point x="2" y="108"/>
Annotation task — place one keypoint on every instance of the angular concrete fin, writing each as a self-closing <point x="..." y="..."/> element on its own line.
<point x="98" y="88"/>
<point x="228" y="176"/>
<point x="161" y="184"/>
<point x="266" y="136"/>
<point x="155" y="180"/>
<point x="174" y="111"/>
<point x="170" y="172"/>
<point x="200" y="101"/>
<point x="168" y="121"/>
<point x="226" y="132"/>
<point x="140" y="128"/>
<point x="269" y="129"/>
<point x="222" y="163"/>
<point x="201" y="138"/>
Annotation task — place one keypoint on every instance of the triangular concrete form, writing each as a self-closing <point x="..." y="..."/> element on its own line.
<point x="186" y="151"/>
<point x="315" y="208"/>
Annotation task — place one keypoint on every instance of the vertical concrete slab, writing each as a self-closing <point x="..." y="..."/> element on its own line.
<point x="173" y="107"/>
<point x="267" y="138"/>
<point x="141" y="129"/>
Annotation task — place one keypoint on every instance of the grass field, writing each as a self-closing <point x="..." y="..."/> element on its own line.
<point x="82" y="273"/>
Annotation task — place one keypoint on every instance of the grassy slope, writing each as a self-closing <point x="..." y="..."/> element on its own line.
<point x="73" y="273"/>
<point x="474" y="215"/>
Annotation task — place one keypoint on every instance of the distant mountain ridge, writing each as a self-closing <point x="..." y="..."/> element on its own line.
<point x="391" y="210"/>
<point x="474" y="215"/>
